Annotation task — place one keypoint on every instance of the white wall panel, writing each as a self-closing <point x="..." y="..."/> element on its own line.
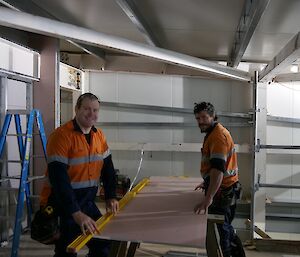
<point x="16" y="94"/>
<point x="187" y="135"/>
<point x="283" y="99"/>
<point x="240" y="135"/>
<point x="154" y="163"/>
<point x="279" y="135"/>
<point x="22" y="61"/>
<point x="296" y="134"/>
<point x="170" y="91"/>
<point x="295" y="89"/>
<point x="240" y="97"/>
<point x="111" y="133"/>
<point x="187" y="164"/>
<point x="143" y="135"/>
<point x="4" y="56"/>
<point x="104" y="85"/>
<point x="142" y="116"/>
<point x="295" y="179"/>
<point x="279" y="100"/>
<point x="144" y="89"/>
<point x="18" y="59"/>
<point x="279" y="171"/>
<point x="16" y="99"/>
<point x="187" y="91"/>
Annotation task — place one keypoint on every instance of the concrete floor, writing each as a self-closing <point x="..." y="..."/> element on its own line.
<point x="30" y="248"/>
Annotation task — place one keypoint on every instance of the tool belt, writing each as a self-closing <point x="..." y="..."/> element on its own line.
<point x="226" y="197"/>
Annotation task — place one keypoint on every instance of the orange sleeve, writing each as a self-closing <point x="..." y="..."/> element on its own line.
<point x="219" y="147"/>
<point x="58" y="147"/>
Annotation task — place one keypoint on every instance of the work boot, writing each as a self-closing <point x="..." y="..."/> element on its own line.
<point x="237" y="249"/>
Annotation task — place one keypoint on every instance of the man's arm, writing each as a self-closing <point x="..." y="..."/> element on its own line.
<point x="62" y="189"/>
<point x="108" y="176"/>
<point x="65" y="196"/>
<point x="216" y="177"/>
<point x="218" y="157"/>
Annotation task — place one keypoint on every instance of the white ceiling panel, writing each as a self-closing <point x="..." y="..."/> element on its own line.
<point x="100" y="15"/>
<point x="280" y="22"/>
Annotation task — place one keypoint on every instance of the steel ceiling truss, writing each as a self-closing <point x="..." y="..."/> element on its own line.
<point x="57" y="29"/>
<point x="251" y="14"/>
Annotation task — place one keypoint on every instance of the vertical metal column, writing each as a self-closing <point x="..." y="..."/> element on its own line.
<point x="29" y="186"/>
<point x="57" y="91"/>
<point x="3" y="98"/>
<point x="258" y="201"/>
<point x="254" y="137"/>
<point x="4" y="196"/>
<point x="29" y="96"/>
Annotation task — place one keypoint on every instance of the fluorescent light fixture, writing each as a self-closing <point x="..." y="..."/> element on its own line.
<point x="294" y="68"/>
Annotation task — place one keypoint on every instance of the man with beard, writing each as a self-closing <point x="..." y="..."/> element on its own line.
<point x="219" y="170"/>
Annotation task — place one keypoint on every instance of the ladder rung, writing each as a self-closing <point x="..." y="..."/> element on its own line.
<point x="11" y="135"/>
<point x="23" y="134"/>
<point x="5" y="218"/>
<point x="37" y="156"/>
<point x="34" y="196"/>
<point x="14" y="161"/>
<point x="31" y="178"/>
<point x="3" y="179"/>
<point x="36" y="178"/>
<point x="6" y="188"/>
<point x="19" y="161"/>
<point x="21" y="112"/>
<point x="11" y="161"/>
<point x="10" y="177"/>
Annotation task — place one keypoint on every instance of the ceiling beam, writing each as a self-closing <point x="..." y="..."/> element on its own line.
<point x="130" y="9"/>
<point x="53" y="28"/>
<point x="29" y="7"/>
<point x="289" y="54"/>
<point x="251" y="14"/>
<point x="287" y="77"/>
<point x="92" y="50"/>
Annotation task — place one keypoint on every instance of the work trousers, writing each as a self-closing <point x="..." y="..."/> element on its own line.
<point x="70" y="230"/>
<point x="226" y="231"/>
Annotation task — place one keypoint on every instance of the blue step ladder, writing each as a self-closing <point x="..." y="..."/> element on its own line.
<point x="24" y="151"/>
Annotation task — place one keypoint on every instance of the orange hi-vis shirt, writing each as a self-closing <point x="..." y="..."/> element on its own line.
<point x="218" y="146"/>
<point x="85" y="161"/>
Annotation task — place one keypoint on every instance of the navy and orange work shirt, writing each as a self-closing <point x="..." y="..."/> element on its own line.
<point x="75" y="164"/>
<point x="218" y="152"/>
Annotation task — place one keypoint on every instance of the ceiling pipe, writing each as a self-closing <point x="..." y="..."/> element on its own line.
<point x="57" y="29"/>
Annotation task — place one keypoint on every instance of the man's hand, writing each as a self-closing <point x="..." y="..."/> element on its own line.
<point x="202" y="207"/>
<point x="85" y="222"/>
<point x="112" y="205"/>
<point x="216" y="177"/>
<point x="201" y="187"/>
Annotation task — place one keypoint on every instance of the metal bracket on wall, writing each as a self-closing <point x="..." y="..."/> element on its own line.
<point x="256" y="147"/>
<point x="258" y="185"/>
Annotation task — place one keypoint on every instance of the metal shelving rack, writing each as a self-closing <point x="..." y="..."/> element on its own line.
<point x="260" y="151"/>
<point x="240" y="120"/>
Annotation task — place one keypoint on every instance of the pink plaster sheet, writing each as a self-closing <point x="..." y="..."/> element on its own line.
<point x="161" y="213"/>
